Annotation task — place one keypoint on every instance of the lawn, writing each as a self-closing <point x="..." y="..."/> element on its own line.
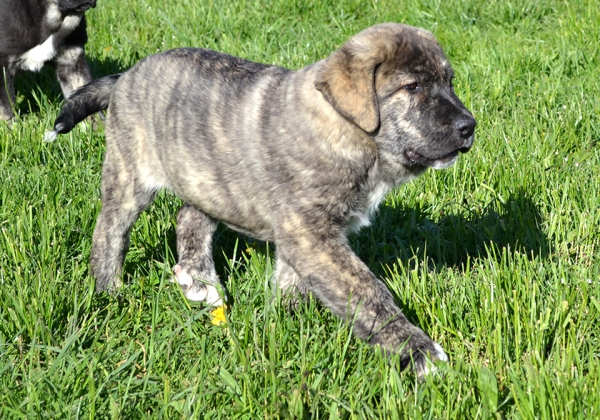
<point x="496" y="258"/>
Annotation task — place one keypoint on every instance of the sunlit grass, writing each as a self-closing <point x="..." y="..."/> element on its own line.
<point x="496" y="258"/>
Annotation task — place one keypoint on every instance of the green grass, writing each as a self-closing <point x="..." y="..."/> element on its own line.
<point x="496" y="258"/>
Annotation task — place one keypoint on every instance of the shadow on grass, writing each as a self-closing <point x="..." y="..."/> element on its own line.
<point x="455" y="235"/>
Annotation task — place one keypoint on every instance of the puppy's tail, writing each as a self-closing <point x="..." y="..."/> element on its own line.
<point x="85" y="101"/>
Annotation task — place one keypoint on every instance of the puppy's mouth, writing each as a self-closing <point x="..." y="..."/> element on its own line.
<point x="416" y="159"/>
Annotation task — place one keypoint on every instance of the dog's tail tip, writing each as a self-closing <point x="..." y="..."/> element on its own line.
<point x="50" y="136"/>
<point x="59" y="128"/>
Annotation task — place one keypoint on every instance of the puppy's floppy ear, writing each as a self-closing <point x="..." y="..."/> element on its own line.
<point x="347" y="78"/>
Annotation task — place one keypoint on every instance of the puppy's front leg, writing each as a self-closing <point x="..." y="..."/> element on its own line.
<point x="343" y="283"/>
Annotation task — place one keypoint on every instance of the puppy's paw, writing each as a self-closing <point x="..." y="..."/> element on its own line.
<point x="422" y="360"/>
<point x="196" y="290"/>
<point x="35" y="58"/>
<point x="429" y="365"/>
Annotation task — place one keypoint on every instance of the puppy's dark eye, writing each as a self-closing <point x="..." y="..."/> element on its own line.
<point x="411" y="87"/>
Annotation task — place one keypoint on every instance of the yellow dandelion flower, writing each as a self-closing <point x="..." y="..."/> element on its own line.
<point x="218" y="315"/>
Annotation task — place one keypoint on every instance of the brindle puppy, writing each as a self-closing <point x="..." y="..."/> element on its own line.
<point x="299" y="158"/>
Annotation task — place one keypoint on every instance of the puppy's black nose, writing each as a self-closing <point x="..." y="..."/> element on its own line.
<point x="466" y="127"/>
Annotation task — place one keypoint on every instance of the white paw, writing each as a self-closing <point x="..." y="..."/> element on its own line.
<point x="182" y="277"/>
<point x="35" y="58"/>
<point x="438" y="354"/>
<point x="196" y="290"/>
<point x="201" y="292"/>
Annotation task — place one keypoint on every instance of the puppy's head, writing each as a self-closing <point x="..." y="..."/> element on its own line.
<point x="395" y="83"/>
<point x="75" y="5"/>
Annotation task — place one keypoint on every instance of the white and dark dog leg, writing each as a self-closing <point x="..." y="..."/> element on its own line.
<point x="195" y="270"/>
<point x="7" y="94"/>
<point x="72" y="70"/>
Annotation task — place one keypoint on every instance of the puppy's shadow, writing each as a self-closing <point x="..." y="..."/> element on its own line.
<point x="459" y="233"/>
<point x="35" y="89"/>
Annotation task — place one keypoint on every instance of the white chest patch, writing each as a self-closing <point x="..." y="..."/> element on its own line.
<point x="34" y="59"/>
<point x="375" y="197"/>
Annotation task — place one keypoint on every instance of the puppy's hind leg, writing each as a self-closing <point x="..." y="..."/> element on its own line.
<point x="124" y="197"/>
<point x="195" y="270"/>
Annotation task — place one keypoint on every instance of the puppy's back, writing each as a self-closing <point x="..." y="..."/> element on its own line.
<point x="192" y="120"/>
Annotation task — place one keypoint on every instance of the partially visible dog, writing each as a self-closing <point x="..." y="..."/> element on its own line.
<point x="296" y="157"/>
<point x="36" y="32"/>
